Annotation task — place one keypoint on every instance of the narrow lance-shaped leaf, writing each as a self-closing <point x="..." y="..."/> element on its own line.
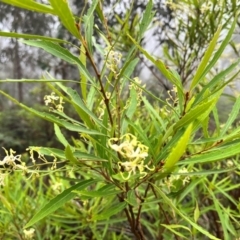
<point x="198" y="75"/>
<point x="30" y="36"/>
<point x="89" y="22"/>
<point x="83" y="82"/>
<point x="193" y="114"/>
<point x="105" y="191"/>
<point x="215" y="81"/>
<point x="146" y="20"/>
<point x="178" y="150"/>
<point x="59" y="52"/>
<point x="69" y="155"/>
<point x="130" y="110"/>
<point x="222" y="47"/>
<point x="107" y="213"/>
<point x="60" y="136"/>
<point x="52" y="118"/>
<point x="176" y="232"/>
<point x="220" y="212"/>
<point x="232" y="116"/>
<point x="58" y="201"/>
<point x="61" y="7"/>
<point x="223" y="152"/>
<point x="58" y="153"/>
<point x="30" y="5"/>
<point x="75" y="98"/>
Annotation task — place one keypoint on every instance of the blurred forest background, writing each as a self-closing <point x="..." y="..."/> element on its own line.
<point x="179" y="36"/>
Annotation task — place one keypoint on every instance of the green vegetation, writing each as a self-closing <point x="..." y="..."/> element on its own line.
<point x="129" y="163"/>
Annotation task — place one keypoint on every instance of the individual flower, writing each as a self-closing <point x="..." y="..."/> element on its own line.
<point x="133" y="152"/>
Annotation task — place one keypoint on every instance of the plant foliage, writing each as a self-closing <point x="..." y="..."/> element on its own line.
<point x="138" y="166"/>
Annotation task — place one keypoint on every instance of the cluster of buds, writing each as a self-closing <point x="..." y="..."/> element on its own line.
<point x="55" y="101"/>
<point x="133" y="153"/>
<point x="29" y="234"/>
<point x="180" y="177"/>
<point x="138" y="89"/>
<point x="41" y="156"/>
<point x="113" y="60"/>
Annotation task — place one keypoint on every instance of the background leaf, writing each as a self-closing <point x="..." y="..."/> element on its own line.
<point x="58" y="201"/>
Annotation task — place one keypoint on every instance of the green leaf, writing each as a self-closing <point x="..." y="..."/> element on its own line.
<point x="170" y="145"/>
<point x="59" y="52"/>
<point x="63" y="11"/>
<point x="213" y="83"/>
<point x="108" y="212"/>
<point x="194" y="113"/>
<point x="203" y="68"/>
<point x="223" y="219"/>
<point x="63" y="123"/>
<point x="180" y="213"/>
<point x="188" y="189"/>
<point x="223" y="152"/>
<point x="161" y="66"/>
<point x="52" y="118"/>
<point x="178" y="150"/>
<point x="30" y="5"/>
<point x="69" y="155"/>
<point x="83" y="82"/>
<point x="60" y="136"/>
<point x="196" y="213"/>
<point x="77" y="155"/>
<point x="128" y="68"/>
<point x="130" y="110"/>
<point x="154" y="113"/>
<point x="105" y="191"/>
<point x="232" y="116"/>
<point x="89" y="22"/>
<point x="171" y="76"/>
<point x="173" y="226"/>
<point x="30" y="36"/>
<point x="199" y="73"/>
<point x="131" y="198"/>
<point x="146" y="19"/>
<point x="87" y="156"/>
<point x="85" y="114"/>
<point x="58" y="201"/>
<point x="222" y="47"/>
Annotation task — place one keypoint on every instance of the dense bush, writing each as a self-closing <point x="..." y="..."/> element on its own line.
<point x="138" y="166"/>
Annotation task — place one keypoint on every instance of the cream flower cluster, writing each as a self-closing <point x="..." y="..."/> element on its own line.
<point x="138" y="89"/>
<point x="171" y="180"/>
<point x="133" y="153"/>
<point x="55" y="101"/>
<point x="11" y="160"/>
<point x="113" y="60"/>
<point x="29" y="234"/>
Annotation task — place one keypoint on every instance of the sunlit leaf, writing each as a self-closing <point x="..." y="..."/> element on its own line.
<point x="178" y="150"/>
